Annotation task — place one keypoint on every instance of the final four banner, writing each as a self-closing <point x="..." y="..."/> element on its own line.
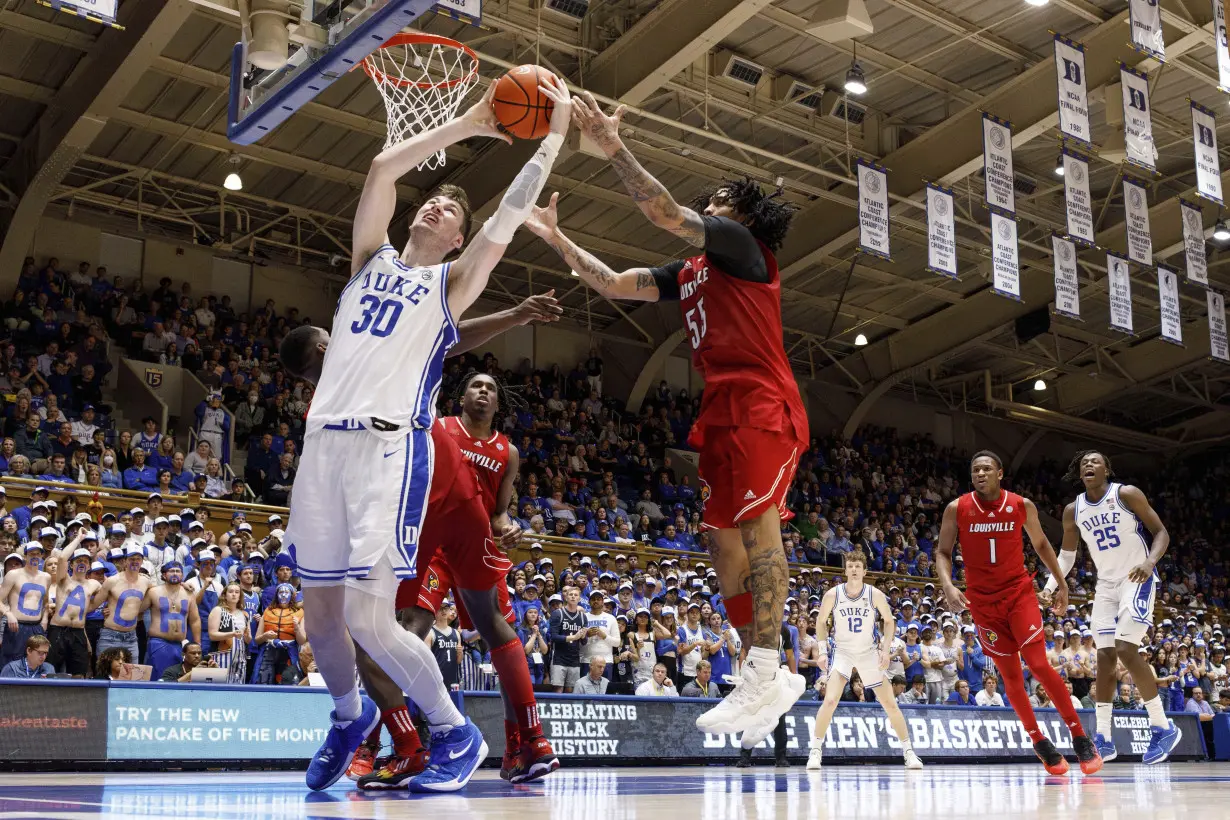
<point x="1219" y="344"/>
<point x="1168" y="299"/>
<point x="1073" y="95"/>
<point x="1076" y="198"/>
<point x="997" y="163"/>
<point x="1137" y="120"/>
<point x="941" y="232"/>
<point x="1119" y="291"/>
<point x="1136" y="205"/>
<point x="1208" y="167"/>
<point x="1193" y="243"/>
<point x="1220" y="45"/>
<point x="1146" y="16"/>
<point x="1067" y="280"/>
<point x="1005" y="264"/>
<point x="873" y="209"/>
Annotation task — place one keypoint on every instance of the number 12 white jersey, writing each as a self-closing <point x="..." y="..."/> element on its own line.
<point x="1116" y="538"/>
<point x="391" y="331"/>
<point x="854" y="620"/>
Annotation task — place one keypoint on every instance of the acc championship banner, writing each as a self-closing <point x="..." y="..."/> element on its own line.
<point x="997" y="163"/>
<point x="1208" y="167"/>
<point x="873" y="209"/>
<point x="1119" y="292"/>
<point x="1004" y="262"/>
<point x="1137" y="120"/>
<point x="1073" y="96"/>
<point x="1219" y="345"/>
<point x="1136" y="206"/>
<point x="1078" y="203"/>
<point x="1193" y="243"/>
<point x="1146" y="18"/>
<point x="941" y="232"/>
<point x="1168" y="303"/>
<point x="1067" y="280"/>
<point x="1221" y="45"/>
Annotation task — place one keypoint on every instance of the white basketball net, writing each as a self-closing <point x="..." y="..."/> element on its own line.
<point x="422" y="85"/>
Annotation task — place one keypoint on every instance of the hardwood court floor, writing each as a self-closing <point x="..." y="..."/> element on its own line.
<point x="1178" y="791"/>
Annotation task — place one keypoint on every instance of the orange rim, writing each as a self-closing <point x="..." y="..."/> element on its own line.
<point x="420" y="38"/>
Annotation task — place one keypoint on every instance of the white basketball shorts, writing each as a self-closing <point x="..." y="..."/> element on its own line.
<point x="1122" y="611"/>
<point x="359" y="496"/>
<point x="867" y="663"/>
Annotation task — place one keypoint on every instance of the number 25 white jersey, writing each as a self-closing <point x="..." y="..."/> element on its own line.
<point x="854" y="620"/>
<point x="391" y="331"/>
<point x="1116" y="538"/>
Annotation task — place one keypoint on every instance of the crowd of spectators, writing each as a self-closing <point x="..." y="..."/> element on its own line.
<point x="592" y="471"/>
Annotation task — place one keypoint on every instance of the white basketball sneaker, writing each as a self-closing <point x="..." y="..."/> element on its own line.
<point x="754" y="706"/>
<point x="912" y="761"/>
<point x="813" y="759"/>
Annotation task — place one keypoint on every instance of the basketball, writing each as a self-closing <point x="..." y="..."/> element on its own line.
<point x="519" y="106"/>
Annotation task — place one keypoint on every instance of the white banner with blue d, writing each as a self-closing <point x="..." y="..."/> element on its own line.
<point x="1073" y="96"/>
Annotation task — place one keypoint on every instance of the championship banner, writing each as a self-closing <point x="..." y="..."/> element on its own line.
<point x="1168" y="299"/>
<point x="1137" y="120"/>
<point x="1073" y="95"/>
<point x="1077" y="201"/>
<point x="873" y="209"/>
<point x="1136" y="206"/>
<point x="997" y="163"/>
<point x="1119" y="292"/>
<point x="1219" y="344"/>
<point x="1004" y="262"/>
<point x="1221" y="44"/>
<point x="1067" y="278"/>
<point x="1204" y="139"/>
<point x="1146" y="16"/>
<point x="1193" y="243"/>
<point x="941" y="232"/>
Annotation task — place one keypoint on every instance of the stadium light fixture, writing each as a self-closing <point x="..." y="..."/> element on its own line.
<point x="860" y="340"/>
<point x="1221" y="233"/>
<point x="1037" y="2"/>
<point x="233" y="182"/>
<point x="856" y="81"/>
<point x="1040" y="385"/>
<point x="1059" y="166"/>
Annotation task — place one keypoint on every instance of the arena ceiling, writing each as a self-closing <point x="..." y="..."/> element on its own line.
<point x="127" y="129"/>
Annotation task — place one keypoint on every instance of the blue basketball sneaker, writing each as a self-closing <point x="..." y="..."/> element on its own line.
<point x="455" y="757"/>
<point x="1162" y="744"/>
<point x="334" y="756"/>
<point x="1106" y="747"/>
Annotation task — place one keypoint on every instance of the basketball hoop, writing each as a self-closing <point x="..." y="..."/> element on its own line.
<point x="422" y="79"/>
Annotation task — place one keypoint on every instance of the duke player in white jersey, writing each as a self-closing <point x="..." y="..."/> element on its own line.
<point x="366" y="471"/>
<point x="854" y="606"/>
<point x="1126" y="539"/>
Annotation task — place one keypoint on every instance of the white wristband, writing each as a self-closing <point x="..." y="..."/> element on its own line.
<point x="1067" y="560"/>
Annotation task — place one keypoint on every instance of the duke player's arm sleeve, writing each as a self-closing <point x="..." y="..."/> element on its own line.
<point x="731" y="246"/>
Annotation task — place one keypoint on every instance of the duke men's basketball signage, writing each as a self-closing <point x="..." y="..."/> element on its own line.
<point x="873" y="209"/>
<point x="1168" y="304"/>
<point x="1137" y="119"/>
<point x="1193" y="243"/>
<point x="1005" y="265"/>
<point x="941" y="232"/>
<point x="1136" y="206"/>
<point x="1073" y="96"/>
<point x="1119" y="292"/>
<point x="997" y="163"/>
<point x="1222" y="45"/>
<point x="1077" y="201"/>
<point x="1219" y="345"/>
<point x="1204" y="140"/>
<point x="1146" y="17"/>
<point x="1067" y="280"/>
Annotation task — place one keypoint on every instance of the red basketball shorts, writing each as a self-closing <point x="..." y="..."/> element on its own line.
<point x="1007" y="623"/>
<point x="457" y="530"/>
<point x="745" y="471"/>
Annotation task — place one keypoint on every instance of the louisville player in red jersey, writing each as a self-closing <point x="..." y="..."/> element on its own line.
<point x="1000" y="595"/>
<point x="466" y="559"/>
<point x="752" y="428"/>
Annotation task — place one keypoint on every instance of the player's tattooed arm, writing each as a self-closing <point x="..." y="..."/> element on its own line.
<point x="656" y="202"/>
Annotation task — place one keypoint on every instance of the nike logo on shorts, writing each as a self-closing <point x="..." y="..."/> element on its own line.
<point x="390" y="455"/>
<point x="457" y="754"/>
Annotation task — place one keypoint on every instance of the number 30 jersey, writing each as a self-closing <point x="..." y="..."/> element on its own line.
<point x="391" y="331"/>
<point x="1116" y="538"/>
<point x="991" y="544"/>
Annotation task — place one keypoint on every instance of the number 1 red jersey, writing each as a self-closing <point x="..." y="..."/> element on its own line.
<point x="735" y="329"/>
<point x="488" y="457"/>
<point x="991" y="544"/>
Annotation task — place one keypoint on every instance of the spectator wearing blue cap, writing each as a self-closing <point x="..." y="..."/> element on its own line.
<point x="205" y="586"/>
<point x="283" y="567"/>
<point x="529" y="599"/>
<point x="123" y="594"/>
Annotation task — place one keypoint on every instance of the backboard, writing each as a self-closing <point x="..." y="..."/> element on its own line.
<point x="278" y="66"/>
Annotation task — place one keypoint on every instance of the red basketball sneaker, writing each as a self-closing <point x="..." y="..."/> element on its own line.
<point x="1050" y="757"/>
<point x="396" y="772"/>
<point x="362" y="764"/>
<point x="536" y="759"/>
<point x="512" y="751"/>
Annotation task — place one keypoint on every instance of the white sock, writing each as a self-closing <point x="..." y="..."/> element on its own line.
<point x="764" y="662"/>
<point x="348" y="707"/>
<point x="907" y="746"/>
<point x="1157" y="713"/>
<point x="403" y="655"/>
<point x="1103" y="711"/>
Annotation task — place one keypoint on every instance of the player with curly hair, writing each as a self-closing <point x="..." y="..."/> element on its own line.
<point x="752" y="427"/>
